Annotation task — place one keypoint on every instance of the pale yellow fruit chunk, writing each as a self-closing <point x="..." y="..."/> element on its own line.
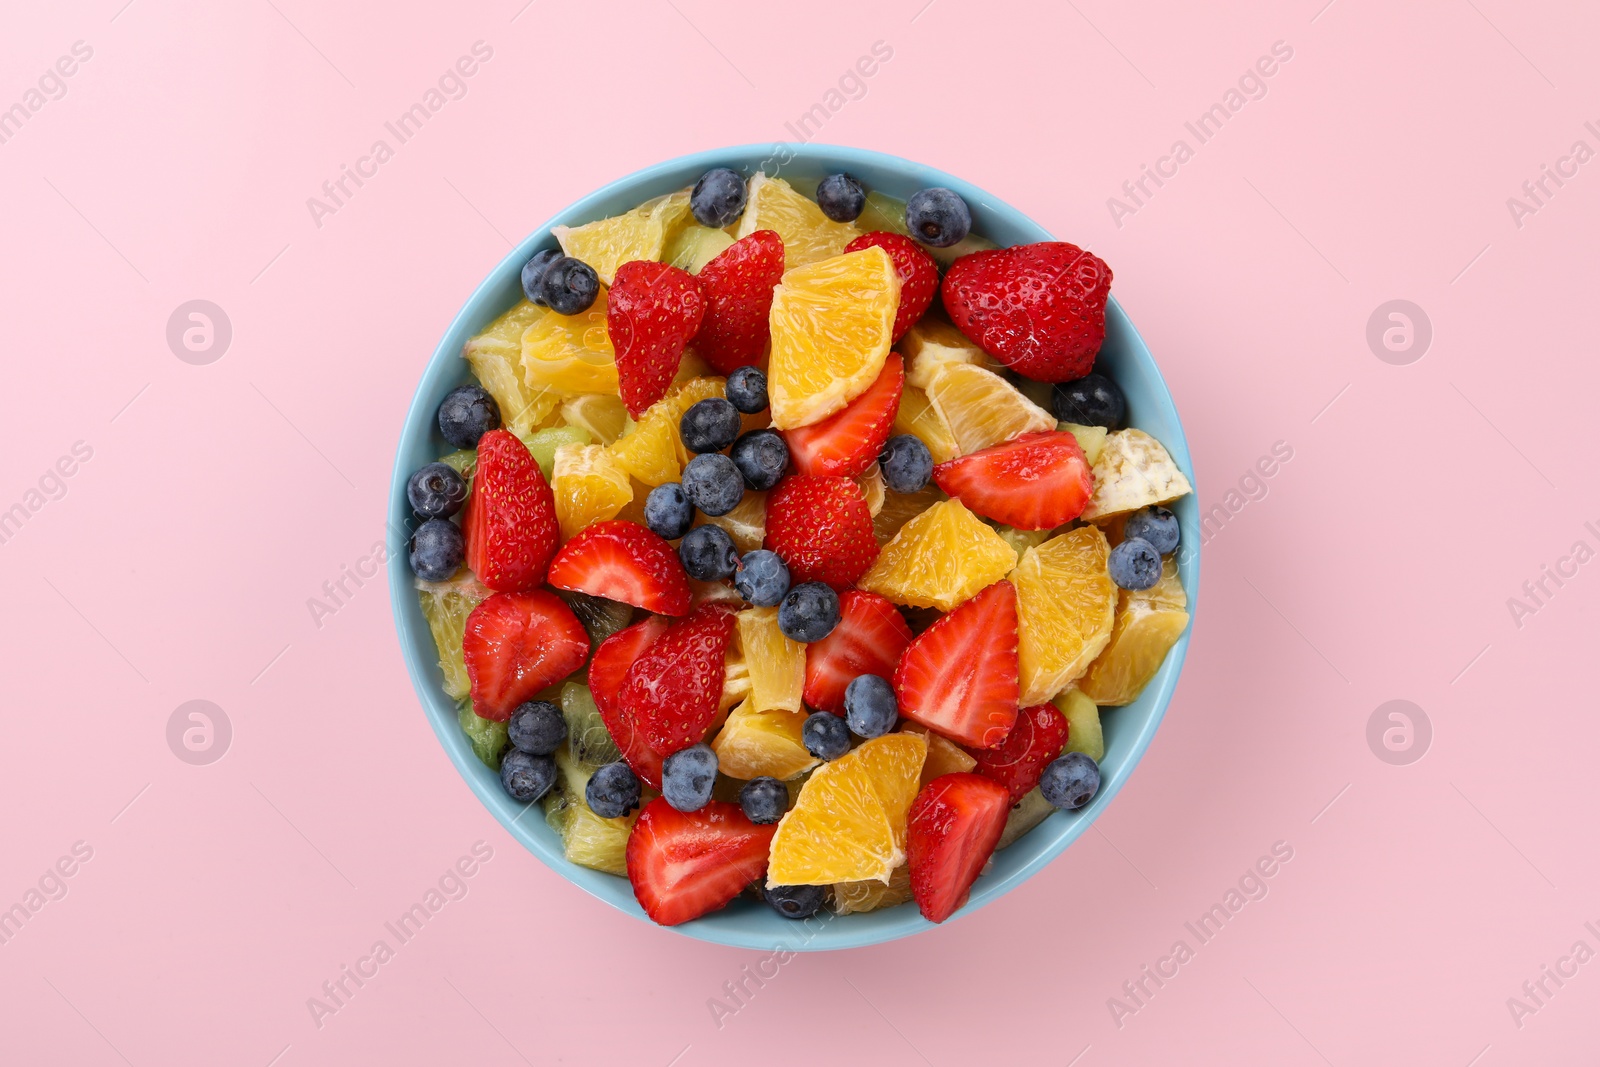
<point x="587" y="839"/>
<point x="808" y="235"/>
<point x="1092" y="439"/>
<point x="1083" y="723"/>
<point x="446" y="606"/>
<point x="1066" y="603"/>
<point x="939" y="559"/>
<point x="496" y="358"/>
<point x="850" y="897"/>
<point x="1133" y="471"/>
<point x="1149" y="623"/>
<point x="933" y="341"/>
<point x="651" y="450"/>
<point x="777" y="664"/>
<point x="900" y="508"/>
<point x="570" y="355"/>
<point x="589" y="485"/>
<point x="752" y="743"/>
<point x="643" y="233"/>
<point x="602" y="414"/>
<point x="831" y="324"/>
<point x="918" y="417"/>
<point x="944" y="755"/>
<point x="746" y="523"/>
<point x="735" y="674"/>
<point x="1029" y="812"/>
<point x="871" y="483"/>
<point x="981" y="408"/>
<point x="695" y="246"/>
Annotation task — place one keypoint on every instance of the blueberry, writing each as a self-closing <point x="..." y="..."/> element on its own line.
<point x="870" y="708"/>
<point x="537" y="727"/>
<point x="1154" y="524"/>
<point x="808" y="612"/>
<point x="437" y="549"/>
<point x="707" y="553"/>
<point x="764" y="800"/>
<point x="747" y="390"/>
<point x="570" y="286"/>
<point x="762" y="579"/>
<point x="436" y="491"/>
<point x="713" y="484"/>
<point x="687" y="776"/>
<point x="761" y="456"/>
<point x="825" y="735"/>
<point x="466" y="414"/>
<point x="526" y="776"/>
<point x="668" y="512"/>
<point x="938" y="217"/>
<point x="906" y="463"/>
<point x="795" y="901"/>
<point x="718" y="198"/>
<point x="533" y="274"/>
<point x="1093" y="400"/>
<point x="710" y="425"/>
<point x="613" y="791"/>
<point x="841" y="197"/>
<point x="1134" y="564"/>
<point x="1071" y="781"/>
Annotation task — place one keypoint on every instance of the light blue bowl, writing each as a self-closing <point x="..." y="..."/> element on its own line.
<point x="746" y="923"/>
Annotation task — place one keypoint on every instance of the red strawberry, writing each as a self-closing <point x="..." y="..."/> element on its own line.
<point x="848" y="442"/>
<point x="959" y="676"/>
<point x="951" y="831"/>
<point x="1017" y="762"/>
<point x="683" y="865"/>
<point x="1040" y="309"/>
<point x="919" y="274"/>
<point x="509" y="522"/>
<point x="672" y="689"/>
<point x="1033" y="482"/>
<point x="652" y="312"/>
<point x="606" y="672"/>
<point x="871" y="637"/>
<point x="822" y="529"/>
<point x="738" y="286"/>
<point x="626" y="562"/>
<point x="516" y="644"/>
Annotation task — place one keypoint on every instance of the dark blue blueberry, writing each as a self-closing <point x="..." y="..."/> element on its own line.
<point x="713" y="484"/>
<point x="533" y="274"/>
<point x="841" y="197"/>
<point x="613" y="791"/>
<point x="537" y="727"/>
<point x="762" y="579"/>
<point x="870" y="708"/>
<point x="808" y="612"/>
<point x="1134" y="564"/>
<point x="570" y="286"/>
<point x="437" y="549"/>
<point x="1093" y="400"/>
<point x="747" y="390"/>
<point x="687" y="776"/>
<point x="1071" y="781"/>
<point x="718" y="198"/>
<point x="825" y="735"/>
<point x="764" y="800"/>
<point x="761" y="456"/>
<point x="938" y="217"/>
<point x="707" y="553"/>
<point x="795" y="901"/>
<point x="466" y="414"/>
<point x="668" y="512"/>
<point x="436" y="491"/>
<point x="1154" y="524"/>
<point x="526" y="776"/>
<point x="710" y="425"/>
<point x="906" y="463"/>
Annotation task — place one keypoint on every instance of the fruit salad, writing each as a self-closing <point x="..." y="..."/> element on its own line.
<point x="790" y="543"/>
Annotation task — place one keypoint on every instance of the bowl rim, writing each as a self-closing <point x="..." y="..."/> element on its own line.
<point x="1048" y="840"/>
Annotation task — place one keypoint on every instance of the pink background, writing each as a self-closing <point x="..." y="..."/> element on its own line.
<point x="219" y="498"/>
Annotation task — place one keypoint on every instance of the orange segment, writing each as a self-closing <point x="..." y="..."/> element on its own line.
<point x="1148" y="624"/>
<point x="944" y="755"/>
<point x="496" y="358"/>
<point x="651" y="450"/>
<point x="1065" y="607"/>
<point x="851" y="897"/>
<point x="746" y="523"/>
<point x="643" y="233"/>
<point x="939" y="559"/>
<point x="981" y="408"/>
<point x="569" y="355"/>
<point x="919" y="418"/>
<point x="589" y="486"/>
<point x="933" y="341"/>
<point x="808" y="235"/>
<point x="752" y="743"/>
<point x="777" y="664"/>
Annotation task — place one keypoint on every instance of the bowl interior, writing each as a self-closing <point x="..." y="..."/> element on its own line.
<point x="747" y="923"/>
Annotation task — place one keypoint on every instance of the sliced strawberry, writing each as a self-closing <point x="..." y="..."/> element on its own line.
<point x="652" y="312"/>
<point x="1033" y="482"/>
<point x="919" y="274"/>
<point x="951" y="831"/>
<point x="516" y="644"/>
<point x="738" y="286"/>
<point x="1017" y="762"/>
<point x="672" y="689"/>
<point x="509" y="521"/>
<point x="848" y="442"/>
<point x="822" y="529"/>
<point x="959" y="676"/>
<point x="871" y="637"/>
<point x="683" y="865"/>
<point x="606" y="672"/>
<point x="625" y="562"/>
